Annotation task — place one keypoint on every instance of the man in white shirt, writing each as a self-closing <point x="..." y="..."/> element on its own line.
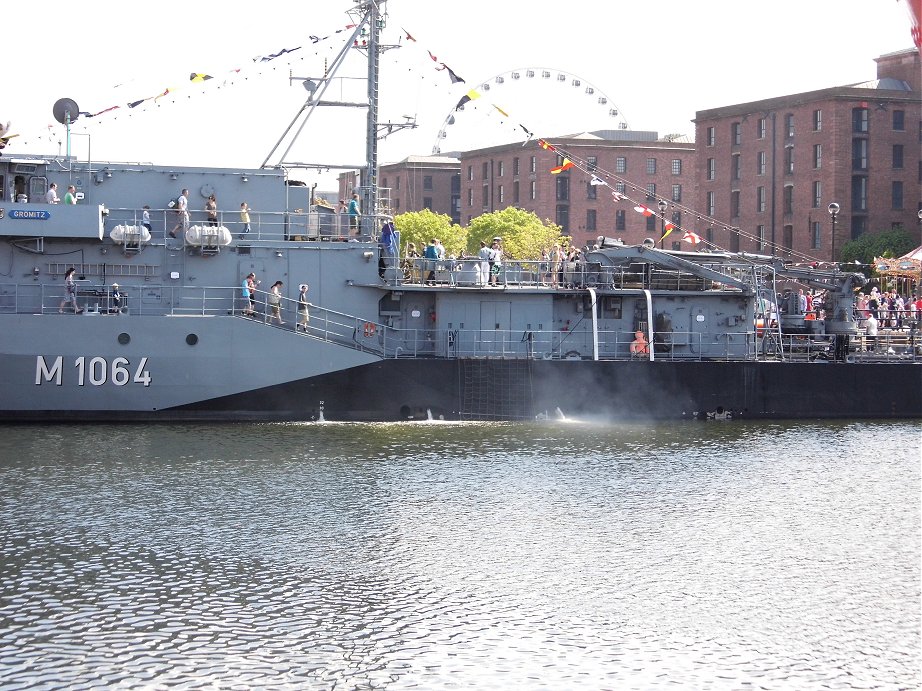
<point x="51" y="196"/>
<point x="182" y="212"/>
<point x="871" y="329"/>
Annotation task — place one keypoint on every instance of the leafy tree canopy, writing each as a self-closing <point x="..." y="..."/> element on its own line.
<point x="419" y="227"/>
<point x="524" y="234"/>
<point x="889" y="243"/>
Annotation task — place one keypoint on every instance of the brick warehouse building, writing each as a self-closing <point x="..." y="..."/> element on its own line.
<point x="768" y="168"/>
<point x="771" y="168"/>
<point x="423" y="182"/>
<point x="513" y="175"/>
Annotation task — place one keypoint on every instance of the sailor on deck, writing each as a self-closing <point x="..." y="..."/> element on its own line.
<point x="639" y="346"/>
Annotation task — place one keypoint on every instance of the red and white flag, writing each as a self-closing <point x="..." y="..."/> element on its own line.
<point x="691" y="237"/>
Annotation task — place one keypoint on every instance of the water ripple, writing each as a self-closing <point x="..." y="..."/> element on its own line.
<point x="555" y="555"/>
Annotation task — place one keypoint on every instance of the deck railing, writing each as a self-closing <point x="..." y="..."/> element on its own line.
<point x="386" y="341"/>
<point x="264" y="226"/>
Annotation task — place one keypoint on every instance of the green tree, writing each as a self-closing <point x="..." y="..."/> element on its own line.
<point x="888" y="243"/>
<point x="523" y="233"/>
<point x="419" y="227"/>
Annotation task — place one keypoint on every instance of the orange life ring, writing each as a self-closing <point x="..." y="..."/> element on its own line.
<point x="369" y="330"/>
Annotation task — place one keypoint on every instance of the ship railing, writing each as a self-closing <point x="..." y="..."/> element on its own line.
<point x="564" y="344"/>
<point x="529" y="273"/>
<point x="264" y="226"/>
<point x="96" y="298"/>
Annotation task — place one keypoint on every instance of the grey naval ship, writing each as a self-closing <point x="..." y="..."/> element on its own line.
<point x="165" y="333"/>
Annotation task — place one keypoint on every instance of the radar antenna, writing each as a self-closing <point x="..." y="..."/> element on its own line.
<point x="65" y="111"/>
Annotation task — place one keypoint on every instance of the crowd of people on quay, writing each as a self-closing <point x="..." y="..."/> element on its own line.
<point x="888" y="308"/>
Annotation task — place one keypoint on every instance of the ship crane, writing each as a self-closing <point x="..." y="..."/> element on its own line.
<point x="840" y="288"/>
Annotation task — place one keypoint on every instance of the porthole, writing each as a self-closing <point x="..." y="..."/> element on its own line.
<point x="191" y="339"/>
<point x="124" y="338"/>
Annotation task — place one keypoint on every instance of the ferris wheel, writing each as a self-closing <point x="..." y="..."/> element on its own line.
<point x="526" y="102"/>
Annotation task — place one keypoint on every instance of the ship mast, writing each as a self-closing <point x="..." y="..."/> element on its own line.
<point x="370" y="16"/>
<point x="370" y="183"/>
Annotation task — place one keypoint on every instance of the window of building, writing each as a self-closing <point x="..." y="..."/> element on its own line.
<point x="817" y="120"/>
<point x="734" y="204"/>
<point x="787" y="235"/>
<point x="677" y="193"/>
<point x="736" y="136"/>
<point x="817" y="155"/>
<point x="427" y="182"/>
<point x="533" y="164"/>
<point x="427" y="203"/>
<point x="590" y="219"/>
<point x="760" y="199"/>
<point x="592" y="163"/>
<point x="515" y="166"/>
<point x="621" y="164"/>
<point x="734" y="240"/>
<point x="651" y="166"/>
<point x="563" y="217"/>
<point x="859" y="226"/>
<point x="760" y="163"/>
<point x="899" y="120"/>
<point x="815" y="235"/>
<point x="897" y="194"/>
<point x="500" y="169"/>
<point x="711" y="204"/>
<point x="789" y="160"/>
<point x="788" y="199"/>
<point x="470" y="196"/>
<point x="651" y="224"/>
<point x="677" y="166"/>
<point x="735" y="167"/>
<point x="563" y="188"/>
<point x="677" y="219"/>
<point x="760" y="237"/>
<point x="501" y="194"/>
<point x="384" y="182"/>
<point x="709" y="136"/>
<point x="760" y="128"/>
<point x="817" y="194"/>
<point x="620" y="219"/>
<point x="859" y="119"/>
<point x="789" y="125"/>
<point x="470" y="172"/>
<point x="620" y="188"/>
<point x="651" y="192"/>
<point x="897" y="155"/>
<point x="533" y="190"/>
<point x="515" y="192"/>
<point x="485" y="199"/>
<point x="709" y="236"/>
<point x="591" y="191"/>
<point x="859" y="154"/>
<point x="486" y="170"/>
<point x="711" y="169"/>
<point x="397" y="182"/>
<point x="859" y="193"/>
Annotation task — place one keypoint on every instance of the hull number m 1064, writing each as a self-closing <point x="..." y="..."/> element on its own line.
<point x="94" y="371"/>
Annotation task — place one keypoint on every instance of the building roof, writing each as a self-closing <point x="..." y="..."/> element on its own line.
<point x="887" y="83"/>
<point x="436" y="161"/>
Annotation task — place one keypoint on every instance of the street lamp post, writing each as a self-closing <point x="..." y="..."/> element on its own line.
<point x="833" y="212"/>
<point x="663" y="205"/>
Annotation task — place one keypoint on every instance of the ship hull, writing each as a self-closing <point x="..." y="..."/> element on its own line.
<point x="395" y="390"/>
<point x="494" y="389"/>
